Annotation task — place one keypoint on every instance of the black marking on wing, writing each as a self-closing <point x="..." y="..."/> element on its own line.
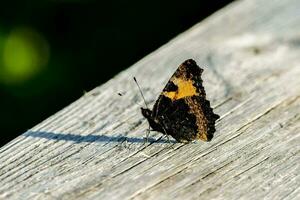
<point x="170" y="87"/>
<point x="174" y="116"/>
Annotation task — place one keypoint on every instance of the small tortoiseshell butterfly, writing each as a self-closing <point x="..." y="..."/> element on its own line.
<point x="182" y="110"/>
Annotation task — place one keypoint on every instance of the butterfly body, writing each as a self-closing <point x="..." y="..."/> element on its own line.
<point x="182" y="110"/>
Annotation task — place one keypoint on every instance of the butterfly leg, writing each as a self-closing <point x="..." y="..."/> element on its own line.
<point x="146" y="139"/>
<point x="167" y="136"/>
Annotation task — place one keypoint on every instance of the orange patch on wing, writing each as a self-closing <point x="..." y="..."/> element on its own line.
<point x="185" y="89"/>
<point x="203" y="137"/>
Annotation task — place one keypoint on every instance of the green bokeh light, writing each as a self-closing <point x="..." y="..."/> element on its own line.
<point x="25" y="53"/>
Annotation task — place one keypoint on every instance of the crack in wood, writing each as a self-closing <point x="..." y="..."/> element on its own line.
<point x="255" y="165"/>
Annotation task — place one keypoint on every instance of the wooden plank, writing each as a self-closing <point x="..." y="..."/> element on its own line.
<point x="93" y="149"/>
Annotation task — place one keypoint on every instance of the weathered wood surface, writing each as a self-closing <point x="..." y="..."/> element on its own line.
<point x="93" y="149"/>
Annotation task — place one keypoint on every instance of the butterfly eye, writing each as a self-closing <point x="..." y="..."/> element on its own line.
<point x="146" y="112"/>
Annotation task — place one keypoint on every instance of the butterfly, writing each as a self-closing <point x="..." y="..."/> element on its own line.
<point x="181" y="109"/>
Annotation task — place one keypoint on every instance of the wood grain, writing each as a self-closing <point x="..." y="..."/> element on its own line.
<point x="93" y="148"/>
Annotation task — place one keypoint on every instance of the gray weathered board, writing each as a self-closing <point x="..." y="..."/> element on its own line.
<point x="93" y="149"/>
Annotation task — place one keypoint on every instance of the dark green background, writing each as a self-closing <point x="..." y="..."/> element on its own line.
<point x="89" y="42"/>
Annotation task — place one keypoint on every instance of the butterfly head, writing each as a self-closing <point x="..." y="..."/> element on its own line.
<point x="146" y="113"/>
<point x="154" y="124"/>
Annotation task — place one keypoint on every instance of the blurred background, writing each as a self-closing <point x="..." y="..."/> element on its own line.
<point x="52" y="51"/>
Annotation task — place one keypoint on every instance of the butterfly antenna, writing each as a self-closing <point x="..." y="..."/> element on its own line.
<point x="140" y="91"/>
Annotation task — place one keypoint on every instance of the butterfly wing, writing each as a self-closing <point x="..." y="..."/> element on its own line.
<point x="182" y="109"/>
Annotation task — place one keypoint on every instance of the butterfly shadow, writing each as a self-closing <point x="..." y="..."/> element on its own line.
<point x="91" y="138"/>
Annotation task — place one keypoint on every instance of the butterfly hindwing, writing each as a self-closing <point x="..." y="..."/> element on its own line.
<point x="176" y="119"/>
